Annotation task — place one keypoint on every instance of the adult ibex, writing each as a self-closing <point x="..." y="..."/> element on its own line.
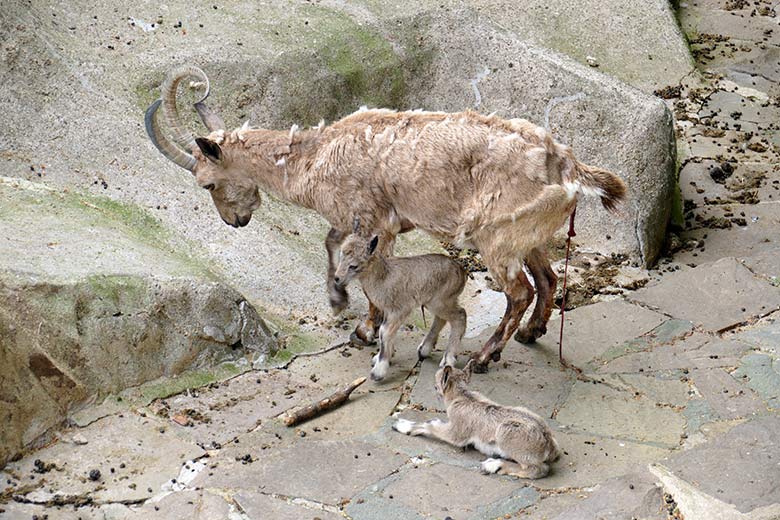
<point x="500" y="186"/>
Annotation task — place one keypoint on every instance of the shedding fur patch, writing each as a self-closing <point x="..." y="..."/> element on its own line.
<point x="218" y="136"/>
<point x="513" y="269"/>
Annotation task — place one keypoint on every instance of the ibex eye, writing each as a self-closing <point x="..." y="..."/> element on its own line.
<point x="352" y="267"/>
<point x="209" y="187"/>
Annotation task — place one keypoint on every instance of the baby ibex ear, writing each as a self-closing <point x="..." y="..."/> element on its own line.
<point x="372" y="245"/>
<point x="210" y="149"/>
<point x="467" y="370"/>
<point x="445" y="377"/>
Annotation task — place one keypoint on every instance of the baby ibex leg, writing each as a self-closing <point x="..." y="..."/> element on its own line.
<point x="505" y="467"/>
<point x="457" y="329"/>
<point x="433" y="428"/>
<point x="424" y="350"/>
<point x="386" y="337"/>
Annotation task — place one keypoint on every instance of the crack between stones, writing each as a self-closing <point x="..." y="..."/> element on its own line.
<point x="307" y="503"/>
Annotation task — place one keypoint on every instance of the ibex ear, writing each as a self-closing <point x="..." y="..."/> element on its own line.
<point x="445" y="376"/>
<point x="210" y="149"/>
<point x="356" y="225"/>
<point x="372" y="245"/>
<point x="468" y="370"/>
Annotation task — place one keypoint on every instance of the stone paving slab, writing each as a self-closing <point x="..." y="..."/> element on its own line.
<point x="586" y="332"/>
<point x="220" y="412"/>
<point x="636" y="495"/>
<point x="364" y="414"/>
<point x="22" y="511"/>
<point x="734" y="24"/>
<point x="760" y="229"/>
<point x="665" y="334"/>
<point x="550" y="506"/>
<point x="343" y="365"/>
<point x="323" y="471"/>
<point x="696" y="351"/>
<point x="728" y="398"/>
<point x="191" y="504"/>
<point x="439" y="490"/>
<point x="602" y="410"/>
<point x="696" y="183"/>
<point x="753" y="116"/>
<point x="716" y="296"/>
<point x="761" y="373"/>
<point x="739" y="467"/>
<point x="764" y="334"/>
<point x="258" y="506"/>
<point x="662" y="389"/>
<point x="140" y="467"/>
<point x="589" y="459"/>
<point x="765" y="263"/>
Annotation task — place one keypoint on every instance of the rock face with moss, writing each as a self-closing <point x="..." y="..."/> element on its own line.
<point x="96" y="297"/>
<point x="287" y="62"/>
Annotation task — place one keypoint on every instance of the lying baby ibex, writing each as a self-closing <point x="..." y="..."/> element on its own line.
<point x="397" y="286"/>
<point x="518" y="437"/>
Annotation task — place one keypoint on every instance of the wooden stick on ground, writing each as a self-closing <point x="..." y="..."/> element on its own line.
<point x="332" y="401"/>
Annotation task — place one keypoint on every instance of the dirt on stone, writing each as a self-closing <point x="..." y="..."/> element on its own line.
<point x="721" y="172"/>
<point x="669" y="92"/>
<point x="469" y="259"/>
<point x="598" y="279"/>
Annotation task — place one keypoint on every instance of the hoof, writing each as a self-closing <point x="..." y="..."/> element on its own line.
<point x="423" y="353"/>
<point x="496" y="356"/>
<point x="356" y="340"/>
<point x="479" y="367"/>
<point x="339" y="300"/>
<point x="530" y="335"/>
<point x="337" y="307"/>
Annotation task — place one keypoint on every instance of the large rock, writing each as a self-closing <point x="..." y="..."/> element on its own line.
<point x="96" y="297"/>
<point x="644" y="47"/>
<point x="79" y="78"/>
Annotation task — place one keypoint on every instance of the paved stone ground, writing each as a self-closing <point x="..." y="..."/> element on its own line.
<point x="673" y="415"/>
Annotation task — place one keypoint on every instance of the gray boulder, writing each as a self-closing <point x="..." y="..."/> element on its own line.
<point x="81" y="82"/>
<point x="95" y="298"/>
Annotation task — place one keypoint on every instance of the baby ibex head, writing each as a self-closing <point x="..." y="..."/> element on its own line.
<point x="356" y="252"/>
<point x="449" y="378"/>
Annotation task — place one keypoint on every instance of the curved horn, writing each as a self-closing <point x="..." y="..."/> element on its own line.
<point x="167" y="148"/>
<point x="170" y="112"/>
<point x="212" y="121"/>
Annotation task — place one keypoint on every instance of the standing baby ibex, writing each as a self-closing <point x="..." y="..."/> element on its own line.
<point x="397" y="286"/>
<point x="520" y="439"/>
